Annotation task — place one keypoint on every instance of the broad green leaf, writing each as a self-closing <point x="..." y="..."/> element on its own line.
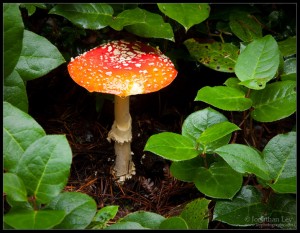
<point x="218" y="181"/>
<point x="173" y="223"/>
<point x="258" y="63"/>
<point x="244" y="159"/>
<point x="103" y="216"/>
<point x="218" y="56"/>
<point x="31" y="7"/>
<point x="190" y="13"/>
<point x="246" y="208"/>
<point x="171" y="146"/>
<point x="125" y="226"/>
<point x="85" y="15"/>
<point x="14" y="187"/>
<point x="283" y="211"/>
<point x="195" y="214"/>
<point x="45" y="167"/>
<point x="143" y="23"/>
<point x="13" y="36"/>
<point x="280" y="157"/>
<point x="187" y="169"/>
<point x="217" y="131"/>
<point x="34" y="219"/>
<point x="14" y="91"/>
<point x="38" y="57"/>
<point x="244" y="26"/>
<point x="289" y="70"/>
<point x="225" y="98"/>
<point x="234" y="83"/>
<point x="145" y="219"/>
<point x="288" y="47"/>
<point x="79" y="207"/>
<point x="19" y="131"/>
<point x="275" y="102"/>
<point x="197" y="122"/>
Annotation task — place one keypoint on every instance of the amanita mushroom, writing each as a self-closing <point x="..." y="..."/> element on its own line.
<point x="122" y="68"/>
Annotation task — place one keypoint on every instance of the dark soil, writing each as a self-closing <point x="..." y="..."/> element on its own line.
<point x="60" y="106"/>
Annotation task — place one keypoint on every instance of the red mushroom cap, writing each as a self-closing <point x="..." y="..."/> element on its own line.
<point x="122" y="68"/>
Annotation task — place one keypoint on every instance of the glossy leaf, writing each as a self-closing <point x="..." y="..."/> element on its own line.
<point x="197" y="122"/>
<point x="195" y="214"/>
<point x="125" y="226"/>
<point x="13" y="28"/>
<point x="289" y="70"/>
<point x="85" y="15"/>
<point x="275" y="102"/>
<point x="31" y="7"/>
<point x="245" y="209"/>
<point x="217" y="131"/>
<point x="244" y="159"/>
<point x="45" y="167"/>
<point x="143" y="23"/>
<point x="258" y="63"/>
<point x="79" y="207"/>
<point x="34" y="219"/>
<point x="145" y="219"/>
<point x="218" y="181"/>
<point x="173" y="223"/>
<point x="244" y="26"/>
<point x="14" y="91"/>
<point x="283" y="211"/>
<point x="288" y="46"/>
<point x="103" y="216"/>
<point x="225" y="98"/>
<point x="14" y="187"/>
<point x="190" y="13"/>
<point x="171" y="146"/>
<point x="234" y="83"/>
<point x="38" y="57"/>
<point x="280" y="157"/>
<point x="218" y="56"/>
<point x="19" y="131"/>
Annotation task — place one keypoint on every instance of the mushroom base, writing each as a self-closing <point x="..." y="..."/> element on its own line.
<point x="124" y="167"/>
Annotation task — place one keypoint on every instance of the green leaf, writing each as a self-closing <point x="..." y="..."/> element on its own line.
<point x="283" y="211"/>
<point x="217" y="131"/>
<point x="14" y="91"/>
<point x="199" y="121"/>
<point x="14" y="187"/>
<point x="38" y="57"/>
<point x="244" y="159"/>
<point x="225" y="98"/>
<point x="234" y="83"/>
<point x="280" y="157"/>
<point x="173" y="223"/>
<point x="217" y="56"/>
<point x="195" y="214"/>
<point x="187" y="169"/>
<point x="244" y="26"/>
<point x="19" y="131"/>
<point x="289" y="70"/>
<point x="219" y="181"/>
<point x="190" y="13"/>
<point x="31" y="7"/>
<point x="13" y="36"/>
<point x="145" y="219"/>
<point x="288" y="47"/>
<point x="143" y="23"/>
<point x="245" y="209"/>
<point x="103" y="216"/>
<point x="125" y="226"/>
<point x="45" y="167"/>
<point x="33" y="219"/>
<point x="275" y="102"/>
<point x="258" y="63"/>
<point x="79" y="207"/>
<point x="171" y="146"/>
<point x="87" y="15"/>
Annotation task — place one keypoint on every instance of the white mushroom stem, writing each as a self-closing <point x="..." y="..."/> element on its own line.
<point x="122" y="135"/>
